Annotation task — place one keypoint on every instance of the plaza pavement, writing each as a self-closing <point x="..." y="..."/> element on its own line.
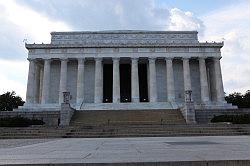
<point x="124" y="150"/>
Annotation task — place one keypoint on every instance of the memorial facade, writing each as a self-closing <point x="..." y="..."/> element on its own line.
<point x="125" y="70"/>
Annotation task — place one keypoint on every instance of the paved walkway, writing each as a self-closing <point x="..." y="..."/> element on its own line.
<point x="119" y="150"/>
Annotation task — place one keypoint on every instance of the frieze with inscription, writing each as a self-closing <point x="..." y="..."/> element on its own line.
<point x="142" y="38"/>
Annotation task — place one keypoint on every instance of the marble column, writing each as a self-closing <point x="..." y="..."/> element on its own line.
<point x="170" y="80"/>
<point x="220" y="96"/>
<point x="135" y="80"/>
<point x="203" y="81"/>
<point x="186" y="75"/>
<point x="40" y="84"/>
<point x="37" y="83"/>
<point x="63" y="79"/>
<point x="46" y="81"/>
<point x="30" y="93"/>
<point x="116" y="80"/>
<point x="80" y="82"/>
<point x="98" y="81"/>
<point x="152" y="81"/>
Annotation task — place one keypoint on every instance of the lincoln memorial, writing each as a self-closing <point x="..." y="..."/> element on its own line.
<point x="122" y="70"/>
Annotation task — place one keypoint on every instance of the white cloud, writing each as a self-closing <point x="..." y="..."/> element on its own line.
<point x="232" y="24"/>
<point x="13" y="76"/>
<point x="181" y="20"/>
<point x="19" y="22"/>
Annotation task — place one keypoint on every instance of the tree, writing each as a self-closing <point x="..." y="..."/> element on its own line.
<point x="241" y="100"/>
<point x="9" y="101"/>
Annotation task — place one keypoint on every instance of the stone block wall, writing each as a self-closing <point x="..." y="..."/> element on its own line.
<point x="204" y="116"/>
<point x="51" y="118"/>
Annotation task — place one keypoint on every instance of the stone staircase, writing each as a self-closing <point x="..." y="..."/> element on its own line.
<point x="125" y="130"/>
<point x="157" y="130"/>
<point x="121" y="123"/>
<point x="118" y="117"/>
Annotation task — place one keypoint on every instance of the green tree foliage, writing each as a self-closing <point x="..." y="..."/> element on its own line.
<point x="241" y="100"/>
<point x="9" y="101"/>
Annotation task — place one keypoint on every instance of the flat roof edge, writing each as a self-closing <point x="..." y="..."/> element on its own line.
<point x="124" y="32"/>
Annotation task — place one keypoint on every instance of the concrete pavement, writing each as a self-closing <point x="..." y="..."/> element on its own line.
<point x="124" y="150"/>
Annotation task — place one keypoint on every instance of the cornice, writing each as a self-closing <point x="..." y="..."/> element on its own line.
<point x="58" y="46"/>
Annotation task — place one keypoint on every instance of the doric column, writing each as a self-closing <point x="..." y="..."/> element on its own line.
<point x="152" y="81"/>
<point x="37" y="83"/>
<point x="186" y="75"/>
<point x="98" y="80"/>
<point x="63" y="79"/>
<point x="220" y="96"/>
<point x="187" y="78"/>
<point x="135" y="80"/>
<point x="80" y="82"/>
<point x="30" y="93"/>
<point x="203" y="81"/>
<point x="116" y="80"/>
<point x="170" y="80"/>
<point x="40" y="85"/>
<point x="46" y="81"/>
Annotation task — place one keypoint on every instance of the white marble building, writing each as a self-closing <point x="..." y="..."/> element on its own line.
<point x="124" y="70"/>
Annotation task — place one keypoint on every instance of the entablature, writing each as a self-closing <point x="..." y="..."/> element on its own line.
<point x="136" y="45"/>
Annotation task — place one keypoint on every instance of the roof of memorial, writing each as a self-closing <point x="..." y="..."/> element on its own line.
<point x="124" y="38"/>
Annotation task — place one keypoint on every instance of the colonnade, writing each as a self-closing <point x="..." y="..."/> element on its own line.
<point x="34" y="82"/>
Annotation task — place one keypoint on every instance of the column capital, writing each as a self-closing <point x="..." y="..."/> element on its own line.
<point x="216" y="58"/>
<point x="151" y="60"/>
<point x="98" y="59"/>
<point x="47" y="59"/>
<point x="169" y="58"/>
<point x="185" y="58"/>
<point x="64" y="59"/>
<point x="115" y="58"/>
<point x="32" y="59"/>
<point x="80" y="60"/>
<point x="134" y="59"/>
<point x="201" y="58"/>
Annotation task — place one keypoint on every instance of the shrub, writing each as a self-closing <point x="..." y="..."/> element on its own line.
<point x="235" y="119"/>
<point x="19" y="122"/>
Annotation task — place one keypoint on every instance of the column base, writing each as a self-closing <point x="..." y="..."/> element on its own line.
<point x="135" y="100"/>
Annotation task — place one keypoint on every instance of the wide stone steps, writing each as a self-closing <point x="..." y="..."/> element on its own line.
<point x="124" y="131"/>
<point x="129" y="117"/>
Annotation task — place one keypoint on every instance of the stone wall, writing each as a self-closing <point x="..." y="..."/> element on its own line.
<point x="204" y="116"/>
<point x="51" y="118"/>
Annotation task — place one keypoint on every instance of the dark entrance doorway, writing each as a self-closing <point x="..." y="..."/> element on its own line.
<point x="125" y="82"/>
<point x="107" y="83"/>
<point x="143" y="82"/>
